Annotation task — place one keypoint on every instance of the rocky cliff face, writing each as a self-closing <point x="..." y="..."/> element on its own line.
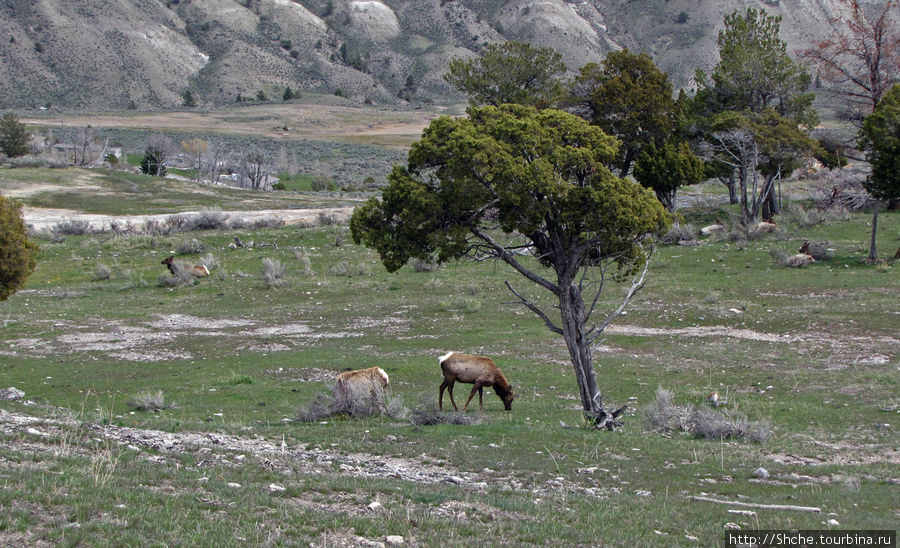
<point x="145" y="53"/>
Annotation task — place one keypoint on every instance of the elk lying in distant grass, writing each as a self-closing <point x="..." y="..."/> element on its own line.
<point x="763" y="227"/>
<point x="798" y="260"/>
<point x="477" y="370"/>
<point x="360" y="392"/>
<point x="197" y="270"/>
<point x="709" y="230"/>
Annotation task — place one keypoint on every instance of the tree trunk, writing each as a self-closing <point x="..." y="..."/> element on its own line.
<point x="770" y="206"/>
<point x="667" y="199"/>
<point x="630" y="155"/>
<point x="731" y="185"/>
<point x="732" y="190"/>
<point x="571" y="304"/>
<point x="872" y="254"/>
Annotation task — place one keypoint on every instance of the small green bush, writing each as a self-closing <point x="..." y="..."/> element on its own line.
<point x="17" y="252"/>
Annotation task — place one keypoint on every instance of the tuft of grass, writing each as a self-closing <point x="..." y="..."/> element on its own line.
<point x="418" y="265"/>
<point x="326" y="219"/>
<point x="356" y="400"/>
<point x="150" y="401"/>
<point x="680" y="232"/>
<point x="72" y="228"/>
<point x="427" y="414"/>
<point x="665" y="415"/>
<point x="237" y="378"/>
<point x="190" y="247"/>
<point x="210" y="219"/>
<point x="273" y="273"/>
<point x="210" y="262"/>
<point x="302" y="255"/>
<point x="101" y="272"/>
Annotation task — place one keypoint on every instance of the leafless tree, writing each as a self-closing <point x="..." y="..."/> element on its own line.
<point x="196" y="148"/>
<point x="287" y="162"/>
<point x="254" y="168"/>
<point x="213" y="162"/>
<point x="89" y="148"/>
<point x="861" y="56"/>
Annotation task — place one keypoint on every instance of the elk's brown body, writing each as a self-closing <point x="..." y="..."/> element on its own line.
<point x="477" y="370"/>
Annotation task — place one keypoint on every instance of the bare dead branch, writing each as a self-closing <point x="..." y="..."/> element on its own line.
<point x="510" y="259"/>
<point x="757" y="505"/>
<point x="531" y="306"/>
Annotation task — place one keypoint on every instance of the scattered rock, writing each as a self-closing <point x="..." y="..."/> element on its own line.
<point x="732" y="526"/>
<point x="833" y="522"/>
<point x="394" y="540"/>
<point x="276" y="488"/>
<point x="761" y="473"/>
<point x="375" y="506"/>
<point x="233" y="485"/>
<point x="11" y="394"/>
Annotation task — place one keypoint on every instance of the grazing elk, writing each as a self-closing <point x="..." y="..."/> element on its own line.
<point x="361" y="390"/>
<point x="197" y="270"/>
<point x="477" y="370"/>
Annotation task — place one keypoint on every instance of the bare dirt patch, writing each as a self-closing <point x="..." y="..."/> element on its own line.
<point x="154" y="340"/>
<point x="842" y="351"/>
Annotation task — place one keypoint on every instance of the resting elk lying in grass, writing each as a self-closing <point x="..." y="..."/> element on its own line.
<point x="197" y="270"/>
<point x="477" y="370"/>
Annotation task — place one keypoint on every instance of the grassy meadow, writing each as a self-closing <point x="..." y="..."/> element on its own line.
<point x="812" y="351"/>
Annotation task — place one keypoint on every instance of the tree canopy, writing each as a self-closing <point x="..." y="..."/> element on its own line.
<point x="511" y="72"/>
<point x="628" y="97"/>
<point x="880" y="136"/>
<point x="17" y="253"/>
<point x="755" y="71"/>
<point x="510" y="179"/>
<point x="668" y="167"/>
<point x="14" y="138"/>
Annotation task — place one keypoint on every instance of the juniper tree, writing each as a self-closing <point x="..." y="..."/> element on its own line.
<point x="628" y="97"/>
<point x="17" y="253"/>
<point x="880" y="136"/>
<point x="511" y="179"/>
<point x="511" y="72"/>
<point x="14" y="138"/>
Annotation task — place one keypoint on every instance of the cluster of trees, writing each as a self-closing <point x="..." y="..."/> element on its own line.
<point x="531" y="168"/>
<point x="211" y="161"/>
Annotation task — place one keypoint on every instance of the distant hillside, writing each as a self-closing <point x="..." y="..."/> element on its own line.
<point x="143" y="54"/>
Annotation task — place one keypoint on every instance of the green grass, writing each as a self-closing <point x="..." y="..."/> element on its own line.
<point x="822" y="376"/>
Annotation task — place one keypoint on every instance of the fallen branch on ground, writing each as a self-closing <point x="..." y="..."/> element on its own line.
<point x="757" y="505"/>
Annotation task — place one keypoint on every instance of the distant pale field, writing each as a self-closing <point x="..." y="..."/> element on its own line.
<point x="372" y="125"/>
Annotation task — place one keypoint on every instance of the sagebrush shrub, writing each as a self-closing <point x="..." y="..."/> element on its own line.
<point x="273" y="273"/>
<point x="149" y="401"/>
